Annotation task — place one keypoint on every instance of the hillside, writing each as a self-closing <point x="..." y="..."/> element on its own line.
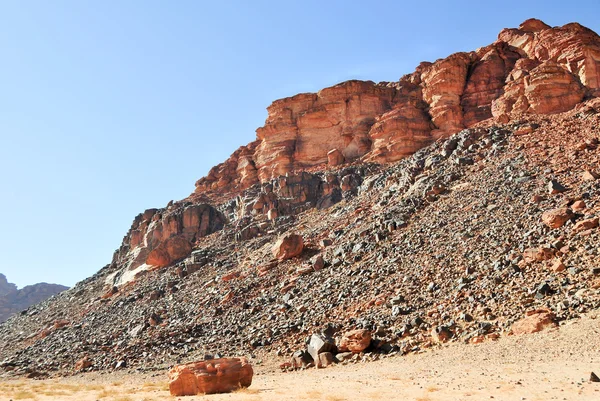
<point x="442" y="207"/>
<point x="13" y="300"/>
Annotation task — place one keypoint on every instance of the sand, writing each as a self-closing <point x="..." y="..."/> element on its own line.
<point x="553" y="365"/>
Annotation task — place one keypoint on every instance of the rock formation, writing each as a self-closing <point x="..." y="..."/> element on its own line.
<point x="443" y="207"/>
<point x="535" y="69"/>
<point x="13" y="300"/>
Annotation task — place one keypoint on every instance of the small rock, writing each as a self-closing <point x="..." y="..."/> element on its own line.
<point x="578" y="206"/>
<point x="555" y="187"/>
<point x="325" y="359"/>
<point x="589" y="175"/>
<point x="586" y="225"/>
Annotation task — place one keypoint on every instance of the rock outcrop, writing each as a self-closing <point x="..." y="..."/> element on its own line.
<point x="535" y="69"/>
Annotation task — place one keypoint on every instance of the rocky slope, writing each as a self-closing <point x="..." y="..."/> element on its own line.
<point x="13" y="300"/>
<point x="465" y="232"/>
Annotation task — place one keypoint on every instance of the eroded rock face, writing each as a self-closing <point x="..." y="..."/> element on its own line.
<point x="212" y="376"/>
<point x="573" y="46"/>
<point x="169" y="251"/>
<point x="534" y="69"/>
<point x="160" y="237"/>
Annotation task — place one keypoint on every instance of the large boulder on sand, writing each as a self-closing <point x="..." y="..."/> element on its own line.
<point x="212" y="376"/>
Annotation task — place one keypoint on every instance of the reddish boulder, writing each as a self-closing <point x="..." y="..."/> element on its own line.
<point x="587" y="224"/>
<point x="355" y="341"/>
<point x="212" y="376"/>
<point x="288" y="246"/>
<point x="557" y="217"/>
<point x="83" y="363"/>
<point x="535" y="321"/>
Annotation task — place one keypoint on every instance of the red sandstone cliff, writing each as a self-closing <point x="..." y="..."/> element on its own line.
<point x="534" y="69"/>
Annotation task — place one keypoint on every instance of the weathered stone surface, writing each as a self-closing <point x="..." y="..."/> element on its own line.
<point x="167" y="252"/>
<point x="434" y="240"/>
<point x="212" y="376"/>
<point x="574" y="47"/>
<point x="335" y="157"/>
<point x="535" y="321"/>
<point x="288" y="246"/>
<point x="399" y="133"/>
<point x="355" y="341"/>
<point x="535" y="69"/>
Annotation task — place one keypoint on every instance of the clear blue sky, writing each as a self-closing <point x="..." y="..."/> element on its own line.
<point x="111" y="107"/>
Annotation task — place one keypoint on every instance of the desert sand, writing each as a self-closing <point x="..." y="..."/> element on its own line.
<point x="552" y="365"/>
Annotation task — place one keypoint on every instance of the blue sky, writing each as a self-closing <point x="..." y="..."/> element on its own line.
<point x="108" y="107"/>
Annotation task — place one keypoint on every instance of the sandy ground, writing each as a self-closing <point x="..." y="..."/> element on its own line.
<point x="553" y="365"/>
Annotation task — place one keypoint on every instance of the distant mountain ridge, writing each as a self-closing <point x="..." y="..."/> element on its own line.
<point x="13" y="300"/>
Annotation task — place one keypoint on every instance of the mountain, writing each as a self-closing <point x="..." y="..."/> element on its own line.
<point x="446" y="206"/>
<point x="13" y="300"/>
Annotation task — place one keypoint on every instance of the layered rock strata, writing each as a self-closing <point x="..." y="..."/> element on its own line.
<point x="534" y="69"/>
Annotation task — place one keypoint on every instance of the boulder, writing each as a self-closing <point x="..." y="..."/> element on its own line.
<point x="535" y="321"/>
<point x="557" y="217"/>
<point x="288" y="246"/>
<point x="355" y="341"/>
<point x="325" y="359"/>
<point x="83" y="363"/>
<point x="319" y="343"/>
<point x="211" y="376"/>
<point x="586" y="224"/>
